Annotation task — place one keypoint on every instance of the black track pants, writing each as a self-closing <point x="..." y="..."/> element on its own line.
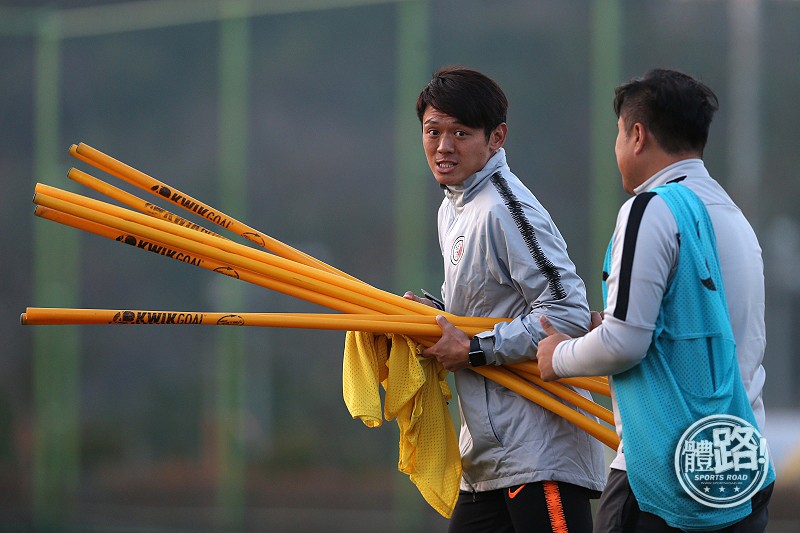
<point x="545" y="506"/>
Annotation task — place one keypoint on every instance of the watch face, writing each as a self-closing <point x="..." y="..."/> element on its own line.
<point x="475" y="345"/>
<point x="477" y="357"/>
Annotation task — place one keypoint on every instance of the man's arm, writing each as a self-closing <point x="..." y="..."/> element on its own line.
<point x="561" y="356"/>
<point x="645" y="249"/>
<point x="542" y="272"/>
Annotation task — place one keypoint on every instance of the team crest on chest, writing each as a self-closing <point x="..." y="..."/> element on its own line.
<point x="457" y="251"/>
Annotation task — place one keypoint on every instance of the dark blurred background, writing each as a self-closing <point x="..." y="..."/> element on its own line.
<point x="297" y="117"/>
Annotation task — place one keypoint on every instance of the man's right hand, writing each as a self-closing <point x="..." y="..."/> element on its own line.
<point x="452" y="349"/>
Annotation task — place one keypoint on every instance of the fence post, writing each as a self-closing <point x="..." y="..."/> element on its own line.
<point x="55" y="271"/>
<point x="232" y="175"/>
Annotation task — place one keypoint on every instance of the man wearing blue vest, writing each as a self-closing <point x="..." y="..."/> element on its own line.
<point x="683" y="333"/>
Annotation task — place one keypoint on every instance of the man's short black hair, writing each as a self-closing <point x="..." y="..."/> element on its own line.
<point x="675" y="107"/>
<point x="473" y="98"/>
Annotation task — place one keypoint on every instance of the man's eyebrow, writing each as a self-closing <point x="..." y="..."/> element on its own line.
<point x="434" y="121"/>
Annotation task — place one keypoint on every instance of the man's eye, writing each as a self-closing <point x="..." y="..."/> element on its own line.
<point x="461" y="134"/>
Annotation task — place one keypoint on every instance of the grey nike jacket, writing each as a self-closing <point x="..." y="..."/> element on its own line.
<point x="504" y="257"/>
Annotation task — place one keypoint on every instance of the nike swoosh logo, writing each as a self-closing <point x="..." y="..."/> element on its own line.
<point x="708" y="283"/>
<point x="513" y="493"/>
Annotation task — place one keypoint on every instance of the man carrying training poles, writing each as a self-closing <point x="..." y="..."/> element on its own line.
<point x="524" y="469"/>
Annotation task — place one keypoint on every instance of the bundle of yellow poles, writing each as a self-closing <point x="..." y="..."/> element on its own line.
<point x="282" y="268"/>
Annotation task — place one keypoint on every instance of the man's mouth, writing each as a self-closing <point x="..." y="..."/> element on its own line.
<point x="445" y="164"/>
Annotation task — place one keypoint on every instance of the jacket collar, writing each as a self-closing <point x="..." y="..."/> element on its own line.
<point x="464" y="192"/>
<point x="687" y="167"/>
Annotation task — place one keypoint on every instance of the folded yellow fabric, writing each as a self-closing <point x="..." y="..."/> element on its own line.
<point x="416" y="395"/>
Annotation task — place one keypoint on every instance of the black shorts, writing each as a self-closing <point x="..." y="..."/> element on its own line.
<point x="549" y="506"/>
<point x="619" y="511"/>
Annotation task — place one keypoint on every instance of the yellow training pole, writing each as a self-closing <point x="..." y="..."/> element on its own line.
<point x="596" y="384"/>
<point x="390" y="303"/>
<point x="532" y="367"/>
<point x="133" y="201"/>
<point x="518" y="385"/>
<point x="40" y="316"/>
<point x="570" y="396"/>
<point x="184" y="256"/>
<point x="588" y="384"/>
<point x="148" y="183"/>
<point x="222" y="250"/>
<point x="279" y="248"/>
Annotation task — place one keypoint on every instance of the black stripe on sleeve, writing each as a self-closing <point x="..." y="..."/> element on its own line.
<point x="628" y="252"/>
<point x="543" y="263"/>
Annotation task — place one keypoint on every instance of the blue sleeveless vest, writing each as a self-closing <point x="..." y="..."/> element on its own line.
<point x="690" y="372"/>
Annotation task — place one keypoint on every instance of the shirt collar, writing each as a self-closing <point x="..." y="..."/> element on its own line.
<point x="463" y="192"/>
<point x="684" y="167"/>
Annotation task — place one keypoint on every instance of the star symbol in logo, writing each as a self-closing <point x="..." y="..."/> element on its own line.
<point x="736" y="489"/>
<point x="722" y="489"/>
<point x="707" y="489"/>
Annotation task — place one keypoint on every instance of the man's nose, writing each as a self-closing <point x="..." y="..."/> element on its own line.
<point x="445" y="144"/>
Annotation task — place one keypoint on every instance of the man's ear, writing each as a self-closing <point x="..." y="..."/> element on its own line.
<point x="498" y="136"/>
<point x="640" y="136"/>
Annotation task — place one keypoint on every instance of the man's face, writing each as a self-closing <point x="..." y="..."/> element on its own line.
<point x="454" y="151"/>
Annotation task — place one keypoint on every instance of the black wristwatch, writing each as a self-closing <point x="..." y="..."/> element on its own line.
<point x="477" y="357"/>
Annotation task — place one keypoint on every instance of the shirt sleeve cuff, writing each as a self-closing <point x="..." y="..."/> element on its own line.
<point x="487" y="345"/>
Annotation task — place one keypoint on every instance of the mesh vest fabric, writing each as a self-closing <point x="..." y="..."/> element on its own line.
<point x="690" y="372"/>
<point x="416" y="394"/>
